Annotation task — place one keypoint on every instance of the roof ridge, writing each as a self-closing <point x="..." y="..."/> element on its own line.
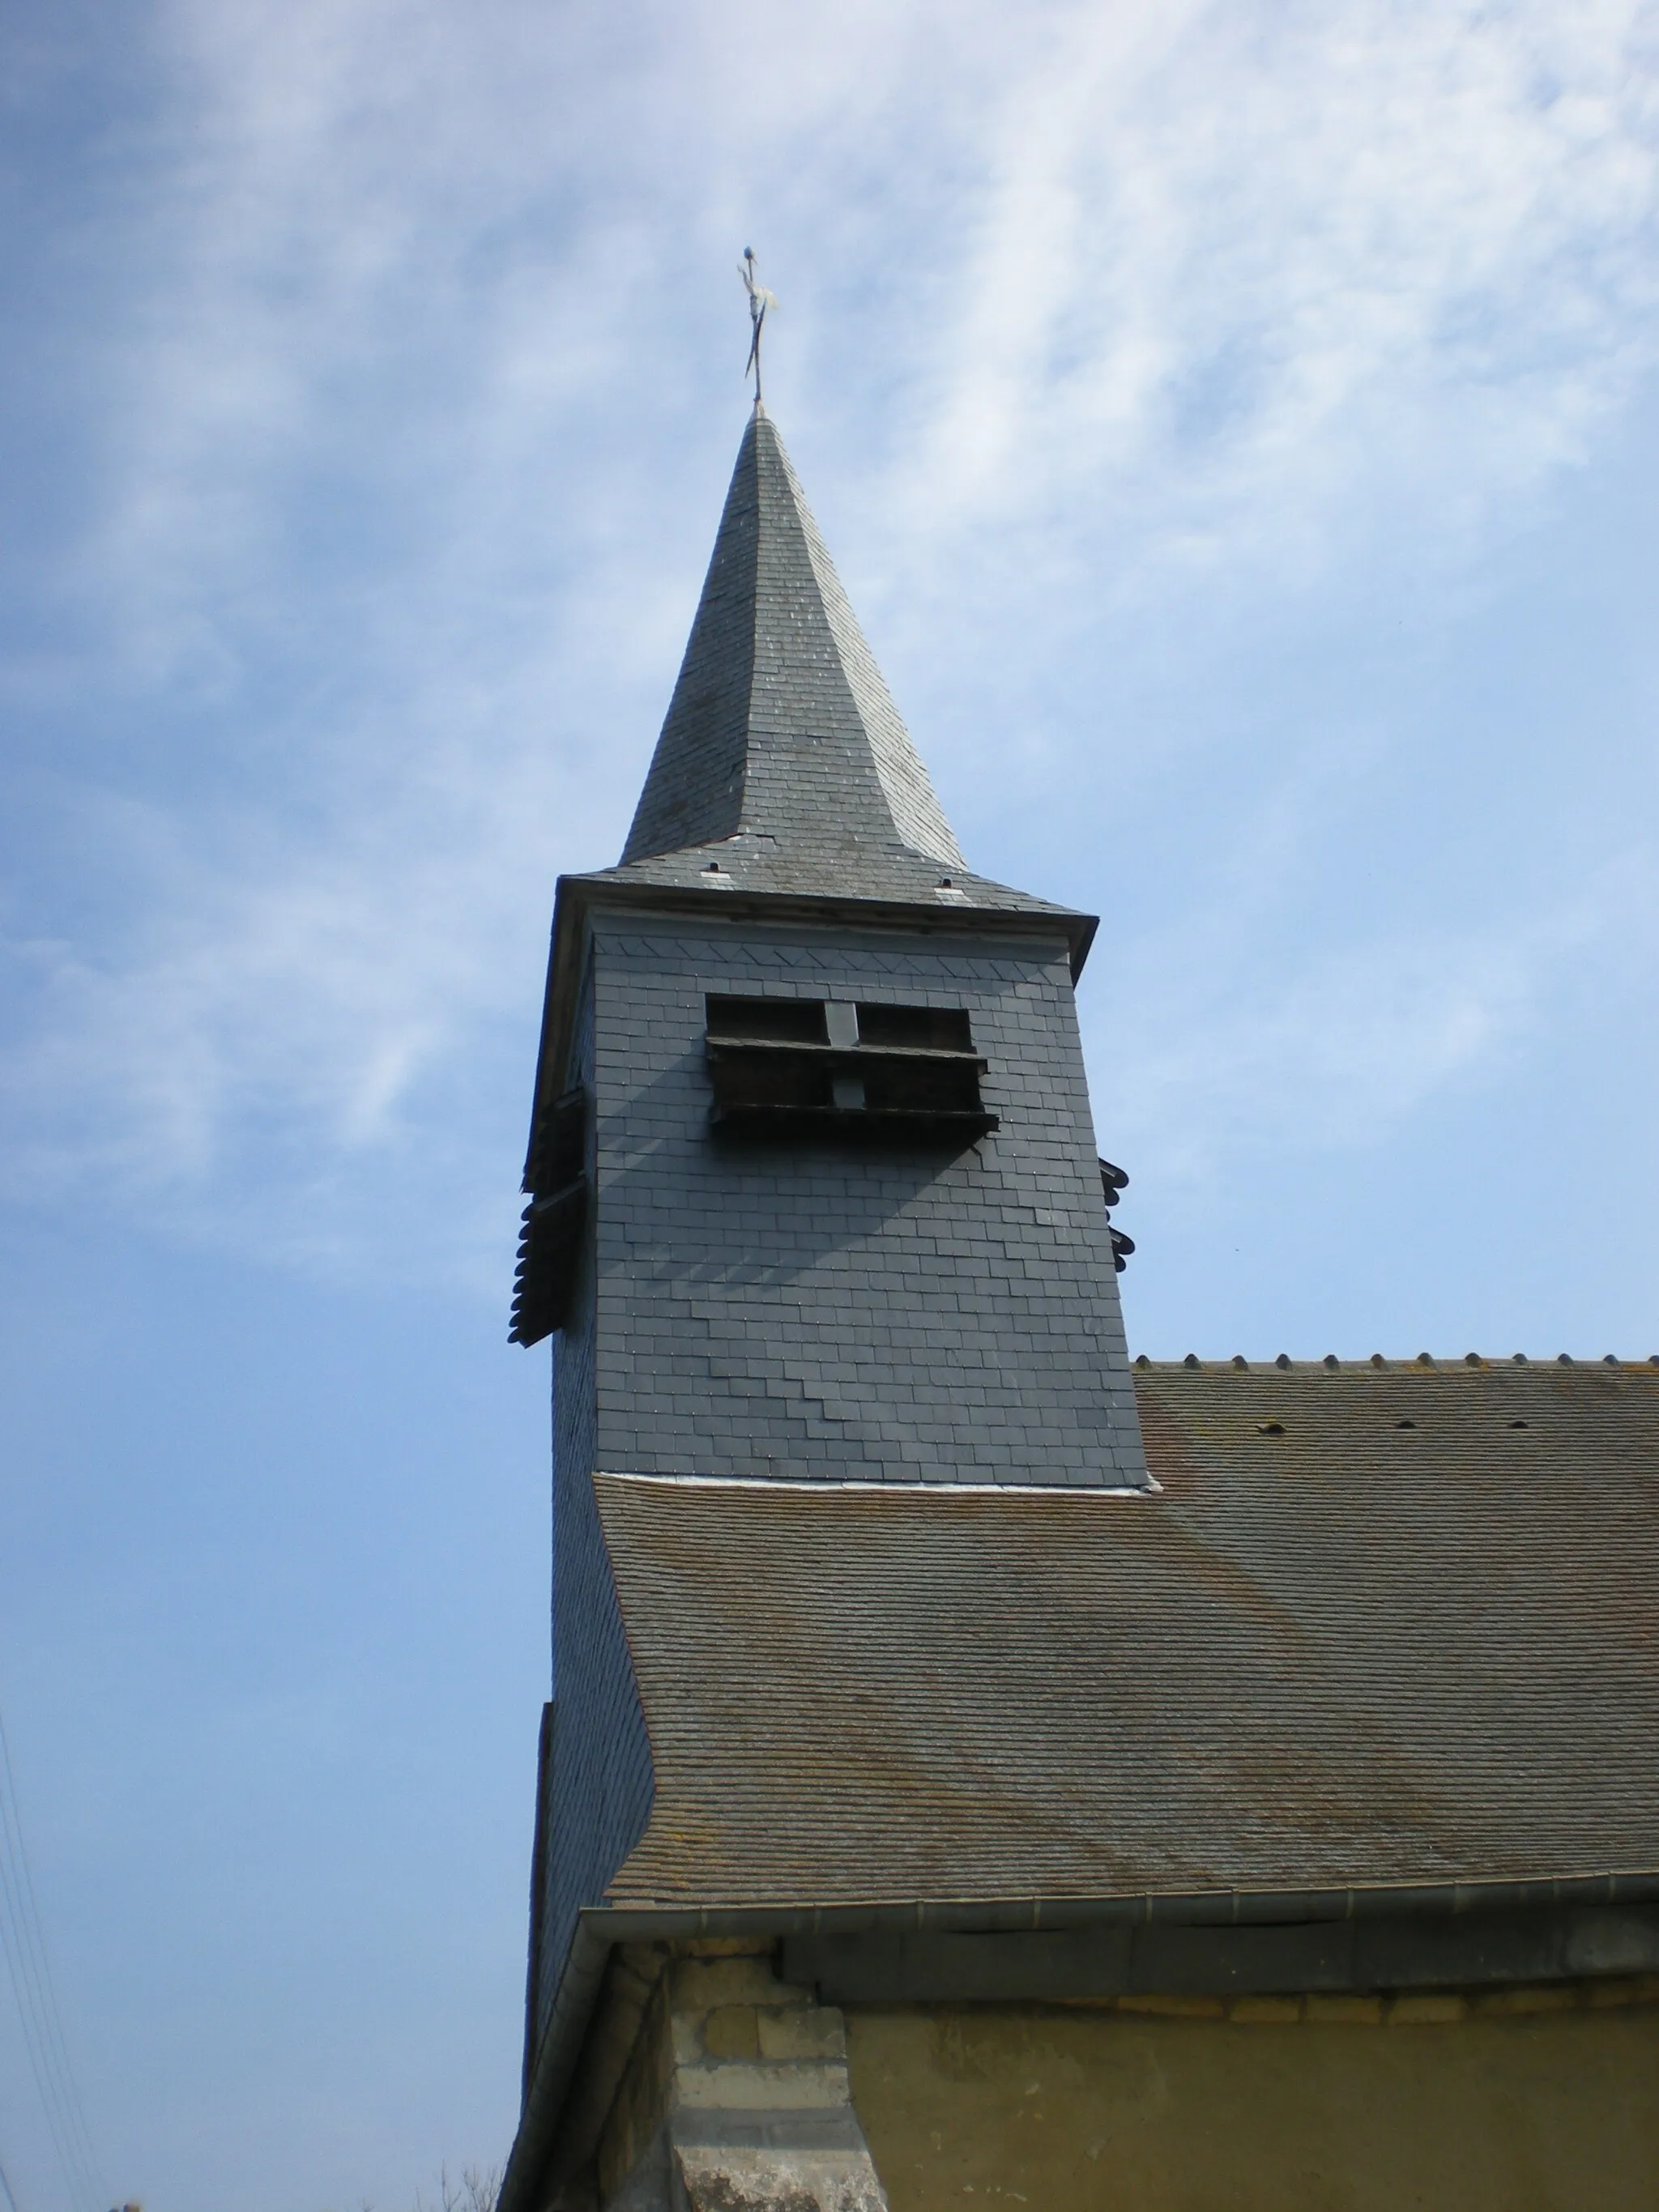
<point x="1449" y="1363"/>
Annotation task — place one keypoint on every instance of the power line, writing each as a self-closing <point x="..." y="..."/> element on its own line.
<point x="30" y="1971"/>
<point x="6" y="2190"/>
<point x="32" y="1984"/>
<point x="26" y="1990"/>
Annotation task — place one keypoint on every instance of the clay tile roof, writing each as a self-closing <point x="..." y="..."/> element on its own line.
<point x="1337" y="1650"/>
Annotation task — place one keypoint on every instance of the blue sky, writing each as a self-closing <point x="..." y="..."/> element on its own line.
<point x="1238" y="429"/>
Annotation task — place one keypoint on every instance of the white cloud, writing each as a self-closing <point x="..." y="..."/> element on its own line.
<point x="418" y="319"/>
<point x="1332" y="1057"/>
<point x="1211" y="1068"/>
<point x="1237" y="270"/>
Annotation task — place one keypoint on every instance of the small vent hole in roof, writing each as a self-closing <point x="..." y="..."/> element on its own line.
<point x="1270" y="1428"/>
<point x="1520" y="1425"/>
<point x="1404" y="1425"/>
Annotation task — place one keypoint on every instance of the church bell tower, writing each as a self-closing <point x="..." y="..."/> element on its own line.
<point x="814" y="1198"/>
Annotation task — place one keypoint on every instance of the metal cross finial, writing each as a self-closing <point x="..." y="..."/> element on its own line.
<point x="759" y="300"/>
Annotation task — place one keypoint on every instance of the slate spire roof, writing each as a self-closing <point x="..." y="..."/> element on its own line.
<point x="783" y="760"/>
<point x="780" y="709"/>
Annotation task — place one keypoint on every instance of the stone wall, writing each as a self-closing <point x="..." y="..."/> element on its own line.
<point x="735" y="2095"/>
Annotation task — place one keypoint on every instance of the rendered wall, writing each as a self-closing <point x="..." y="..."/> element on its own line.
<point x="822" y="1313"/>
<point x="1085" y="2110"/>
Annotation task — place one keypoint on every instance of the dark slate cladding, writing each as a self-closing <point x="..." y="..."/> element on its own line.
<point x="781" y="730"/>
<point x="878" y="1314"/>
<point x="599" y="1787"/>
<point x="693" y="792"/>
<point x="1334" y="1652"/>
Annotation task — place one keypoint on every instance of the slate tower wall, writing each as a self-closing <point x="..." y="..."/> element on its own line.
<point x="814" y="1310"/>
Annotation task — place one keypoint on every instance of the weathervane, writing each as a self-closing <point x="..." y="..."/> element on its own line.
<point x="759" y="300"/>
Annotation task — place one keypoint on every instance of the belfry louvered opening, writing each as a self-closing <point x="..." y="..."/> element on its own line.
<point x="845" y="1069"/>
<point x="550" y="1239"/>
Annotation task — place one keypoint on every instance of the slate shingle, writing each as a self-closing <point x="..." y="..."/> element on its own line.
<point x="781" y="721"/>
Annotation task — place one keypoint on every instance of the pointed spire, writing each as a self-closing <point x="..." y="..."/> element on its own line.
<point x="781" y="728"/>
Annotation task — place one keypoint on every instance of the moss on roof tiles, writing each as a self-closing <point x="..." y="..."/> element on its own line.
<point x="1345" y="1655"/>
